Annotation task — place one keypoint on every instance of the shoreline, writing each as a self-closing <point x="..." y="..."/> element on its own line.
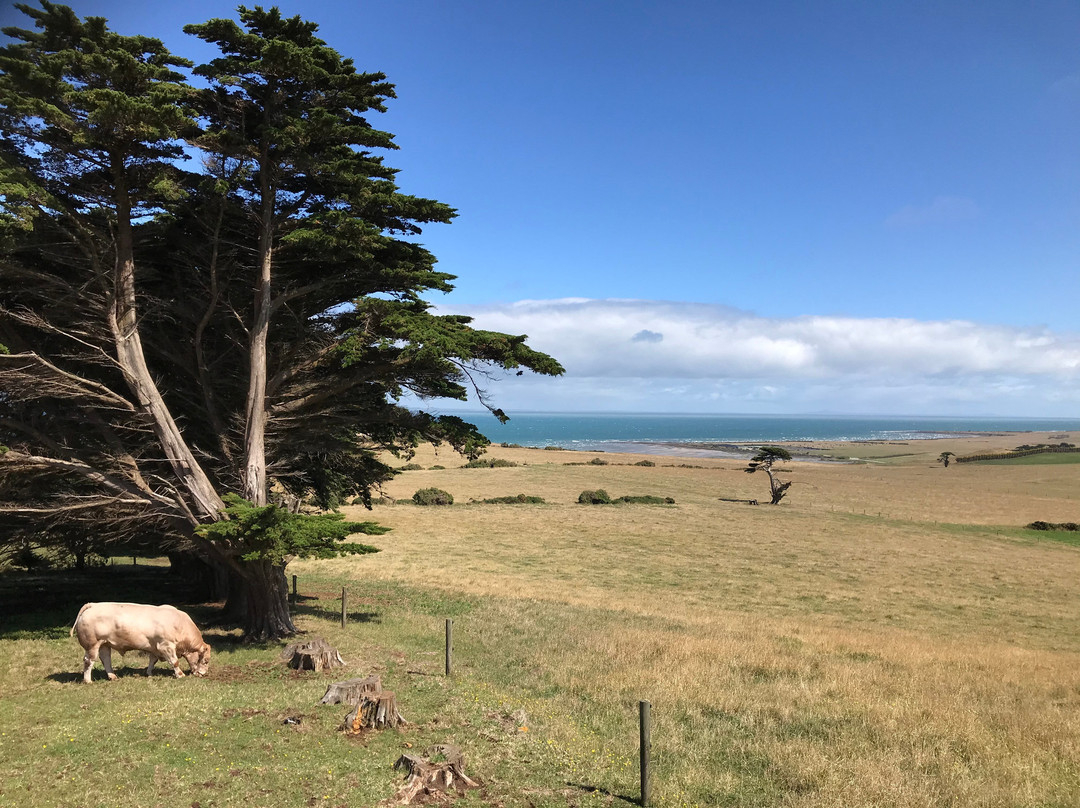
<point x="829" y="451"/>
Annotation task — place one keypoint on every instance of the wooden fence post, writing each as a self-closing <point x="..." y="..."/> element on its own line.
<point x="449" y="645"/>
<point x="293" y="598"/>
<point x="645" y="711"/>
<point x="343" y="607"/>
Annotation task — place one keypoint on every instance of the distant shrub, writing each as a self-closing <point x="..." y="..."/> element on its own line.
<point x="645" y="463"/>
<point x="1040" y="525"/>
<point x="489" y="463"/>
<point x="432" y="496"/>
<point x="646" y="500"/>
<point x="598" y="461"/>
<point x="597" y="497"/>
<point x="403" y="502"/>
<point x="520" y="499"/>
<point x="357" y="501"/>
<point x="511" y="445"/>
<point x="554" y="449"/>
<point x="437" y="468"/>
<point x="411" y="467"/>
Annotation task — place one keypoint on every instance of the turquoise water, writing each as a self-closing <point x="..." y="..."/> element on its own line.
<point x="627" y="432"/>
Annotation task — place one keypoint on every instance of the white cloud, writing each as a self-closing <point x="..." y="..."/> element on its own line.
<point x="942" y="210"/>
<point x="715" y="358"/>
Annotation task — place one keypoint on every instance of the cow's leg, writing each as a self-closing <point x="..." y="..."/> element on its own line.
<point x="106" y="661"/>
<point x="167" y="651"/>
<point x="150" y="664"/>
<point x="89" y="658"/>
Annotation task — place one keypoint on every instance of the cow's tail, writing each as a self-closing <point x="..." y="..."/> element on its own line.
<point x="83" y="609"/>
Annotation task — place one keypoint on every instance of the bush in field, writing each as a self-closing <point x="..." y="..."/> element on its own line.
<point x="437" y="468"/>
<point x="554" y="449"/>
<point x="1041" y="525"/>
<point x="432" y="496"/>
<point x="411" y="467"/>
<point x="648" y="499"/>
<point x="644" y="463"/>
<point x="598" y="461"/>
<point x="490" y="463"/>
<point x="520" y="499"/>
<point x="511" y="445"/>
<point x="597" y="497"/>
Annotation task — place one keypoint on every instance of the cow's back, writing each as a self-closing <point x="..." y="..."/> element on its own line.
<point x="131" y="626"/>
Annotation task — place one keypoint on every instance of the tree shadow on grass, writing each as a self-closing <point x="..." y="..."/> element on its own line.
<point x="121" y="670"/>
<point x="314" y="609"/>
<point x="43" y="605"/>
<point x="633" y="800"/>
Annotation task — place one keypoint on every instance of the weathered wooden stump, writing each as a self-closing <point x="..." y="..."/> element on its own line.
<point x="316" y="655"/>
<point x="374" y="711"/>
<point x="440" y="771"/>
<point x="351" y="690"/>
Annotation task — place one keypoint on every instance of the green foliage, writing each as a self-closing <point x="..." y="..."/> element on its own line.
<point x="647" y="499"/>
<point x="432" y="496"/>
<point x="437" y="467"/>
<point x="491" y="463"/>
<point x="554" y="449"/>
<point x="598" y="461"/>
<point x="511" y="445"/>
<point x="411" y="467"/>
<point x="769" y="455"/>
<point x="945" y="457"/>
<point x="272" y="533"/>
<point x="520" y="499"/>
<point x="597" y="497"/>
<point x="1067" y="526"/>
<point x="648" y="463"/>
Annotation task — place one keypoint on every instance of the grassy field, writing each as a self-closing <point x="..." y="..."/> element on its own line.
<point x="1047" y="459"/>
<point x="890" y="635"/>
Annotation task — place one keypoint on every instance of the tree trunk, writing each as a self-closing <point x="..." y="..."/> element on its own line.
<point x="234" y="593"/>
<point x="129" y="354"/>
<point x="267" y="594"/>
<point x="255" y="487"/>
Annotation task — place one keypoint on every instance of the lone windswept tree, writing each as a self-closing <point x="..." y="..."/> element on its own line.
<point x="212" y="297"/>
<point x="945" y="457"/>
<point x="764" y="460"/>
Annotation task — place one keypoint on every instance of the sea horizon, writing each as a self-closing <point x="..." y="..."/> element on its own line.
<point x="645" y="432"/>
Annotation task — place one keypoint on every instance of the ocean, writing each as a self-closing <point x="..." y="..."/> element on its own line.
<point x="653" y="432"/>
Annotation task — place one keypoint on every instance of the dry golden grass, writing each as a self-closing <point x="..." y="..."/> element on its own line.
<point x="811" y="654"/>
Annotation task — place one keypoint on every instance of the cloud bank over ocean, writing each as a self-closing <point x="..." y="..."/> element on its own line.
<point x="693" y="357"/>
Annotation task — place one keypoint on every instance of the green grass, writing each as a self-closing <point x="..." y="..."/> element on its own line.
<point x="1044" y="459"/>
<point x="222" y="740"/>
<point x="1069" y="537"/>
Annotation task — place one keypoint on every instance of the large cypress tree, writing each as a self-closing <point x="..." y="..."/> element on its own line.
<point x="235" y="332"/>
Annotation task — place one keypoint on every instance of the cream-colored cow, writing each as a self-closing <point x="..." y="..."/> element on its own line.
<point x="163" y="632"/>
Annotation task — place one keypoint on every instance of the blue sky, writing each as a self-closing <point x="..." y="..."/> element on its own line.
<point x="768" y="206"/>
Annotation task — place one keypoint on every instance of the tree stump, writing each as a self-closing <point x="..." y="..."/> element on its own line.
<point x="426" y="777"/>
<point x="351" y="690"/>
<point x="316" y="655"/>
<point x="374" y="711"/>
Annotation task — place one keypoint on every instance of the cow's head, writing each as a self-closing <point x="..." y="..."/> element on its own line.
<point x="198" y="660"/>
